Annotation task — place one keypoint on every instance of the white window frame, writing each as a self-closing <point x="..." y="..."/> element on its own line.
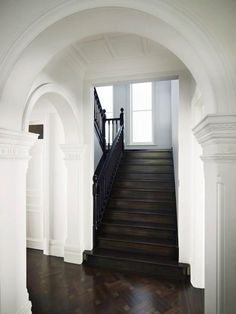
<point x="132" y="143"/>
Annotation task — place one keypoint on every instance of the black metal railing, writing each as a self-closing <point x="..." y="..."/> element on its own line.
<point x="113" y="147"/>
<point x="99" y="121"/>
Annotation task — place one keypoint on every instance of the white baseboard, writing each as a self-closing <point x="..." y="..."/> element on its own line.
<point x="73" y="255"/>
<point x="34" y="243"/>
<point x="26" y="309"/>
<point x="56" y="248"/>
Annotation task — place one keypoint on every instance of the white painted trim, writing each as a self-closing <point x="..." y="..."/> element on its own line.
<point x="37" y="244"/>
<point x="216" y="128"/>
<point x="16" y="145"/>
<point x="26" y="309"/>
<point x="73" y="254"/>
<point x="217" y="135"/>
<point x="73" y="152"/>
<point x="56" y="248"/>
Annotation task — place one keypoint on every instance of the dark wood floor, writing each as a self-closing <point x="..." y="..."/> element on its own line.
<point x="57" y="287"/>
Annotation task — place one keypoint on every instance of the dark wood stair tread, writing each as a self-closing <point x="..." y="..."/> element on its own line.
<point x="142" y="189"/>
<point x="148" y="225"/>
<point x="153" y="185"/>
<point x="144" y="211"/>
<point x="137" y="257"/>
<point x="139" y="239"/>
<point x="143" y="200"/>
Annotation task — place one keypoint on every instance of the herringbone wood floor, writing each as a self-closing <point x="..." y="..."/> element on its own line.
<point x="56" y="287"/>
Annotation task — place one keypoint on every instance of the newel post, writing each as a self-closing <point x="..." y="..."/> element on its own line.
<point x="104" y="117"/>
<point x="122" y="116"/>
<point x="122" y="124"/>
<point x="95" y="199"/>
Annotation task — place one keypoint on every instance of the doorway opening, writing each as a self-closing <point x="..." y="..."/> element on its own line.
<point x="46" y="199"/>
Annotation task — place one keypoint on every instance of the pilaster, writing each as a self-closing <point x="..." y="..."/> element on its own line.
<point x="73" y="155"/>
<point x="217" y="135"/>
<point x="14" y="156"/>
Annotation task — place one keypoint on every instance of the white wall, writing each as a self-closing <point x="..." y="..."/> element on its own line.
<point x="189" y="176"/>
<point x="174" y="132"/>
<point x="162" y="119"/>
<point x="35" y="197"/>
<point x="46" y="185"/>
<point x="198" y="197"/>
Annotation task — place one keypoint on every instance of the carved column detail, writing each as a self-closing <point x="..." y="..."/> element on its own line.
<point x="217" y="135"/>
<point x="73" y="155"/>
<point x="14" y="156"/>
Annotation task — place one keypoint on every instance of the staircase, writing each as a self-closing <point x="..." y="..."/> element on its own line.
<point x="138" y="231"/>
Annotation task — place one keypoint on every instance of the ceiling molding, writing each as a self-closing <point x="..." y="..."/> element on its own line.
<point x="109" y="46"/>
<point x="144" y="43"/>
<point x="81" y="54"/>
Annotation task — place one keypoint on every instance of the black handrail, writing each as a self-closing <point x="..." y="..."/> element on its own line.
<point x="111" y="137"/>
<point x="102" y="182"/>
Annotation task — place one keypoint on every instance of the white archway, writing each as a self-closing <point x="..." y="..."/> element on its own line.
<point x="73" y="154"/>
<point x="66" y="108"/>
<point x="172" y="25"/>
<point x="61" y="34"/>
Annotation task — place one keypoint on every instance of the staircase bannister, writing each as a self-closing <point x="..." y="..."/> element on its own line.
<point x="99" y="121"/>
<point x="102" y="182"/>
<point x="110" y="133"/>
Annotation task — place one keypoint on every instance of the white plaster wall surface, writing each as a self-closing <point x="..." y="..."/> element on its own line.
<point x="184" y="169"/>
<point x="174" y="131"/>
<point x="35" y="197"/>
<point x="197" y="198"/>
<point x="162" y="112"/>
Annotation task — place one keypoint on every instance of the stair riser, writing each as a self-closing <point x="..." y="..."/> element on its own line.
<point x="166" y="177"/>
<point x="129" y="217"/>
<point x="148" y="162"/>
<point x="168" y="206"/>
<point x="155" y="250"/>
<point x="161" y="271"/>
<point x="140" y="154"/>
<point x="146" y="169"/>
<point x="168" y="186"/>
<point x="144" y="195"/>
<point x="134" y="231"/>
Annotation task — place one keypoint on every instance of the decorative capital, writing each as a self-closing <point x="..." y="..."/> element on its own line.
<point x="217" y="135"/>
<point x="73" y="152"/>
<point x="16" y="144"/>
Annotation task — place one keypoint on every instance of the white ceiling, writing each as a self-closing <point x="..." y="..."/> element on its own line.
<point x="118" y="47"/>
<point x="116" y="57"/>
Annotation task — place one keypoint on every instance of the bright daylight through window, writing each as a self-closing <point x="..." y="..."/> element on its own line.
<point x="141" y="113"/>
<point x="105" y="94"/>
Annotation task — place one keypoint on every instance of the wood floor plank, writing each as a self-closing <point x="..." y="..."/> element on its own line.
<point x="56" y="287"/>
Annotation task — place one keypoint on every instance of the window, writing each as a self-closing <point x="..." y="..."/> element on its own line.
<point x="105" y="94"/>
<point x="141" y="113"/>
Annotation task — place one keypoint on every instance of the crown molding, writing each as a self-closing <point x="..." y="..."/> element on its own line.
<point x="16" y="144"/>
<point x="217" y="135"/>
<point x="216" y="129"/>
<point x="73" y="152"/>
